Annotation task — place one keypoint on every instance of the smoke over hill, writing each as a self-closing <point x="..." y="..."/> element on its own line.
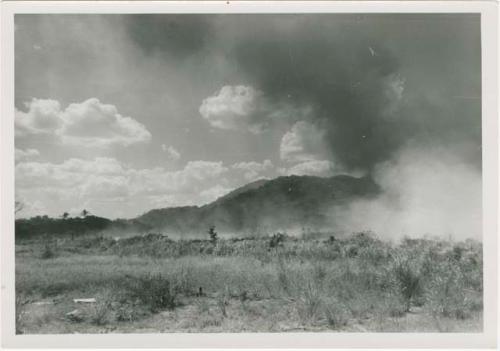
<point x="422" y="192"/>
<point x="294" y="204"/>
<point x="392" y="103"/>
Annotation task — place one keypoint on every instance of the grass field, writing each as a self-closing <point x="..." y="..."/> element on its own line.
<point x="263" y="284"/>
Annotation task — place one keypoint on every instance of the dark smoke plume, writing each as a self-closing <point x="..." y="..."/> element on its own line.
<point x="398" y="96"/>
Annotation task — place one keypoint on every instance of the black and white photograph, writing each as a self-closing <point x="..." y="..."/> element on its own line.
<point x="248" y="173"/>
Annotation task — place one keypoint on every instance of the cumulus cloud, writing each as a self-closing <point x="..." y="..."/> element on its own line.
<point x="92" y="122"/>
<point x="43" y="116"/>
<point x="106" y="182"/>
<point x="240" y="107"/>
<point x="87" y="124"/>
<point x="303" y="142"/>
<point x="24" y="155"/>
<point x="234" y="108"/>
<point x="171" y="152"/>
<point x="254" y="170"/>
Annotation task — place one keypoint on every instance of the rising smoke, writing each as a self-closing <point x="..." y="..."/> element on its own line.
<point x="400" y="104"/>
<point x="397" y="96"/>
<point x="425" y="192"/>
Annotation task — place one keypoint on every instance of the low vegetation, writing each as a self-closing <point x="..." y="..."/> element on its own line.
<point x="280" y="283"/>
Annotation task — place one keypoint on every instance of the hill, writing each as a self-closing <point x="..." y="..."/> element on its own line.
<point x="283" y="203"/>
<point x="291" y="203"/>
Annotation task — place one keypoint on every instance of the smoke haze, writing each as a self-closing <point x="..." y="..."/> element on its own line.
<point x="425" y="192"/>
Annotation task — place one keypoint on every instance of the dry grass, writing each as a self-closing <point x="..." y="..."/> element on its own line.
<point x="355" y="284"/>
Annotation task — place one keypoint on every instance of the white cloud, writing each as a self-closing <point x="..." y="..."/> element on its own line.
<point x="71" y="176"/>
<point x="86" y="124"/>
<point x="105" y="187"/>
<point x="303" y="142"/>
<point x="234" y="108"/>
<point x="254" y="170"/>
<point x="43" y="116"/>
<point x="244" y="108"/>
<point x="25" y="155"/>
<point x="94" y="123"/>
<point x="105" y="182"/>
<point x="320" y="168"/>
<point x="172" y="153"/>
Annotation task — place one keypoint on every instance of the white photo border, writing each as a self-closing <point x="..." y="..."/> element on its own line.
<point x="489" y="41"/>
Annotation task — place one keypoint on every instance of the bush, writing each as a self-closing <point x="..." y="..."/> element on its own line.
<point x="277" y="240"/>
<point x="319" y="272"/>
<point x="223" y="301"/>
<point x="446" y="294"/>
<point x="154" y="291"/>
<point x="408" y="279"/>
<point x="336" y="314"/>
<point x="100" y="311"/>
<point x="222" y="248"/>
<point x="212" y="234"/>
<point x="48" y="252"/>
<point x="393" y="305"/>
<point x="310" y="302"/>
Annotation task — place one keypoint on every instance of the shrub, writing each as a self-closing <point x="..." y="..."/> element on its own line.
<point x="212" y="234"/>
<point x="408" y="279"/>
<point x="277" y="240"/>
<point x="319" y="272"/>
<point x="331" y="239"/>
<point x="183" y="281"/>
<point x="310" y="302"/>
<point x="222" y="248"/>
<point x="393" y="305"/>
<point x="48" y="252"/>
<point x="100" y="311"/>
<point x="202" y="305"/>
<point x="446" y="294"/>
<point x="223" y="301"/>
<point x="154" y="291"/>
<point x="129" y="313"/>
<point x="336" y="314"/>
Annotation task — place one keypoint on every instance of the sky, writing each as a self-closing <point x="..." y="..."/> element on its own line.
<point x="120" y="114"/>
